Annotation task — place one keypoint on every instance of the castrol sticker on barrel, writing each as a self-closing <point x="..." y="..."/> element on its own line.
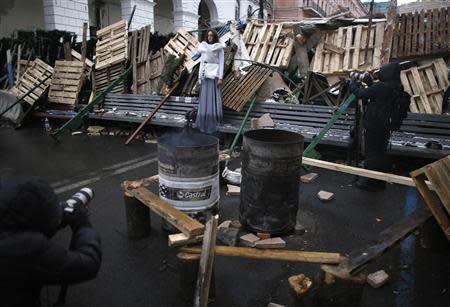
<point x="192" y="195"/>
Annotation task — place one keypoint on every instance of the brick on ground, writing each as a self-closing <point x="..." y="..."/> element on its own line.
<point x="263" y="235"/>
<point x="309" y="177"/>
<point x="325" y="196"/>
<point x="225" y="224"/>
<point x="249" y="239"/>
<point x="377" y="279"/>
<point x="271" y="243"/>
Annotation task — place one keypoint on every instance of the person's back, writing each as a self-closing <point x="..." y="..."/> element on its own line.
<point x="382" y="95"/>
<point x="29" y="216"/>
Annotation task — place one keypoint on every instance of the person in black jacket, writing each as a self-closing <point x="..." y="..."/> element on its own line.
<point x="378" y="98"/>
<point x="29" y="216"/>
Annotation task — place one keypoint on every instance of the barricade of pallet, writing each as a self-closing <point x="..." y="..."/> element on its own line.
<point x="140" y="58"/>
<point x="103" y="77"/>
<point x="438" y="173"/>
<point x="183" y="43"/>
<point x="269" y="43"/>
<point x="238" y="90"/>
<point x="344" y="50"/>
<point x="426" y="85"/>
<point x="34" y="74"/>
<point x="421" y="33"/>
<point x="66" y="83"/>
<point x="112" y="45"/>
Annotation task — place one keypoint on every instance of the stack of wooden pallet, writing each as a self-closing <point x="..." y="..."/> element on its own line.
<point x="34" y="74"/>
<point x="112" y="54"/>
<point x="183" y="43"/>
<point x="439" y="175"/>
<point x="269" y="43"/>
<point x="238" y="90"/>
<point x="66" y="82"/>
<point x="419" y="34"/>
<point x="426" y="85"/>
<point x="140" y="59"/>
<point x="344" y="50"/>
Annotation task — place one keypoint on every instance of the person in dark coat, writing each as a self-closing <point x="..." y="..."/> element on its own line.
<point x="379" y="98"/>
<point x="29" y="216"/>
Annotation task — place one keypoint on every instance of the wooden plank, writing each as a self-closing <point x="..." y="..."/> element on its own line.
<point x="402" y="40"/>
<point x="395" y="38"/>
<point x="379" y="36"/>
<point x="206" y="263"/>
<point x="359" y="258"/>
<point x="409" y="27"/>
<point x="357" y="47"/>
<point x="361" y="172"/>
<point x="442" y="34"/>
<point x="347" y="47"/>
<point x="272" y="254"/>
<point x="273" y="45"/>
<point x="435" y="39"/>
<point x="421" y="39"/>
<point x="414" y="33"/>
<point x="388" y="32"/>
<point x="180" y="239"/>
<point x="122" y="24"/>
<point x="337" y="58"/>
<point x="178" y="219"/>
<point x="429" y="38"/>
<point x="333" y="48"/>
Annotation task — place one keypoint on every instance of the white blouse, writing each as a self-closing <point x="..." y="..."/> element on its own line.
<point x="211" y="60"/>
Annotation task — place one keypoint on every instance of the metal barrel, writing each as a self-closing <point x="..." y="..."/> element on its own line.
<point x="271" y="162"/>
<point x="188" y="168"/>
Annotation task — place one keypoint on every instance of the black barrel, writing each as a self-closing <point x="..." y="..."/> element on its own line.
<point x="188" y="169"/>
<point x="271" y="162"/>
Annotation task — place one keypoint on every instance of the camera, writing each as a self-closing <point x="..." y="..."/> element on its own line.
<point x="78" y="202"/>
<point x="363" y="77"/>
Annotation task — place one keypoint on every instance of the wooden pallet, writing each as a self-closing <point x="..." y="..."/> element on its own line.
<point x="183" y="43"/>
<point x="421" y="33"/>
<point x="426" y="85"/>
<point x="237" y="91"/>
<point x="37" y="72"/>
<point x="269" y="43"/>
<point x="103" y="77"/>
<point x="438" y="173"/>
<point x="343" y="50"/>
<point x="140" y="58"/>
<point x="112" y="45"/>
<point x="89" y="63"/>
<point x="66" y="83"/>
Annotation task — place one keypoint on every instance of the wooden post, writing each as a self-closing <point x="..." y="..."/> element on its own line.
<point x="137" y="216"/>
<point x="388" y="33"/>
<point x="188" y="265"/>
<point x="19" y="55"/>
<point x="67" y="51"/>
<point x="206" y="263"/>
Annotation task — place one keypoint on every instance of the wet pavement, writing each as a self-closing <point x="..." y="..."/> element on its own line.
<point x="144" y="272"/>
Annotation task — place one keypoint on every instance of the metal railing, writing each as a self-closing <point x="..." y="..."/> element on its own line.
<point x="314" y="5"/>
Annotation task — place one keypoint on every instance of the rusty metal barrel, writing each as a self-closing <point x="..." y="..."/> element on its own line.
<point x="271" y="162"/>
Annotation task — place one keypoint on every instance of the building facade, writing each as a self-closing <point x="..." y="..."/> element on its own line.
<point x="164" y="16"/>
<point x="299" y="9"/>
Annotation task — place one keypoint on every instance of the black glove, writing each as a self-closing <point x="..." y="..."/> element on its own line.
<point x="75" y="215"/>
<point x="354" y="85"/>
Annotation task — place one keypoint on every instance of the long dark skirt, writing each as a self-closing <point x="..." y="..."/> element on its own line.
<point x="210" y="113"/>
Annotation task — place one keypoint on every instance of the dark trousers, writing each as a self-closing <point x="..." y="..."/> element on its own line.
<point x="375" y="144"/>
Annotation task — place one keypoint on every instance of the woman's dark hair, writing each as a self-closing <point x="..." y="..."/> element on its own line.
<point x="215" y="36"/>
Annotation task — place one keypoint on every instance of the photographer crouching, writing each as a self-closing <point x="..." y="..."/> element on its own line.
<point x="30" y="215"/>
